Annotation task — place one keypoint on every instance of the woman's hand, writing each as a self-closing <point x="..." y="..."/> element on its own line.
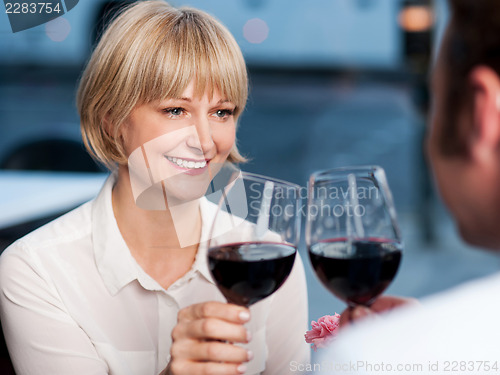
<point x="381" y="304"/>
<point x="202" y="340"/>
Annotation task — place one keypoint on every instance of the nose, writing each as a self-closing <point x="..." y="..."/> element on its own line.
<point x="201" y="140"/>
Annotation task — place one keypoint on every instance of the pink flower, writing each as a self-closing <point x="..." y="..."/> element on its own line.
<point x="323" y="332"/>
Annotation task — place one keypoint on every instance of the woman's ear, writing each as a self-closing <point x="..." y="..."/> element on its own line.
<point x="484" y="139"/>
<point x="116" y="136"/>
<point x="116" y="133"/>
<point x="108" y="127"/>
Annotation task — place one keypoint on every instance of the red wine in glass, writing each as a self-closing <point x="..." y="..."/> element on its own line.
<point x="356" y="271"/>
<point x="248" y="272"/>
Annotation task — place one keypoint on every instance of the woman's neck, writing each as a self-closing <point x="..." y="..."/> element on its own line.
<point x="157" y="238"/>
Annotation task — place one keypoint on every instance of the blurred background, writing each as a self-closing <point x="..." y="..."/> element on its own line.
<point x="333" y="83"/>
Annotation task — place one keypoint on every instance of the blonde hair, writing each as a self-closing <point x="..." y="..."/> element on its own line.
<point x="151" y="52"/>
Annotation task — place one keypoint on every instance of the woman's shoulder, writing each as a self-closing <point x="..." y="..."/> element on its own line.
<point x="61" y="232"/>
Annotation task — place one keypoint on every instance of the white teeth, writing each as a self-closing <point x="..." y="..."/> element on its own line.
<point x="189" y="164"/>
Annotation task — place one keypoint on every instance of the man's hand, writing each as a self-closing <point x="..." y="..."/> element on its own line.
<point x="381" y="304"/>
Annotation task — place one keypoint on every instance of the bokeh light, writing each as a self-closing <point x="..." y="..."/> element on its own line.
<point x="416" y="18"/>
<point x="255" y="30"/>
<point x="58" y="29"/>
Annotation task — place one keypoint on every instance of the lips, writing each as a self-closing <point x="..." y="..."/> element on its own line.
<point x="188" y="164"/>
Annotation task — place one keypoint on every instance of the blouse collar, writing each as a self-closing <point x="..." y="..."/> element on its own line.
<point x="114" y="261"/>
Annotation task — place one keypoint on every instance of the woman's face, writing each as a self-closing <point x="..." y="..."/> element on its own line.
<point x="179" y="144"/>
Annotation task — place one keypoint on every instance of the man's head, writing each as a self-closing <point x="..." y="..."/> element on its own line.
<point x="464" y="143"/>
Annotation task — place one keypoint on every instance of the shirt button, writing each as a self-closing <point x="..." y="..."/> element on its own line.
<point x="169" y="301"/>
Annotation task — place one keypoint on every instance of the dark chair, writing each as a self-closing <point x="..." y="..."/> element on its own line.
<point x="5" y="363"/>
<point x="51" y="155"/>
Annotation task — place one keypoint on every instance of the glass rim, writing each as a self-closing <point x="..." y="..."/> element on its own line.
<point x="271" y="242"/>
<point x="355" y="168"/>
<point x="261" y="178"/>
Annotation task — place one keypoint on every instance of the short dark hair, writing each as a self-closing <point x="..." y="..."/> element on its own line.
<point x="473" y="39"/>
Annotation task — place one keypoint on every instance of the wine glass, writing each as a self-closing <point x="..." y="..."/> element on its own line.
<point x="254" y="237"/>
<point x="352" y="233"/>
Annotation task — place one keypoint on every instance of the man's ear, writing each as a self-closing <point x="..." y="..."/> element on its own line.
<point x="484" y="138"/>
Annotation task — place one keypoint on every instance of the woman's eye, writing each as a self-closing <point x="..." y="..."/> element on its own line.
<point x="223" y="113"/>
<point x="174" y="112"/>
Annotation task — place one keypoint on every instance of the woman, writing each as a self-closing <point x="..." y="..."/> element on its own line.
<point x="120" y="285"/>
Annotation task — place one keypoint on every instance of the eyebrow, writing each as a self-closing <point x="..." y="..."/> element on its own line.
<point x="221" y="101"/>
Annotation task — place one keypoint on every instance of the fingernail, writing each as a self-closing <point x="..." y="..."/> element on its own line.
<point x="249" y="336"/>
<point x="360" y="311"/>
<point x="249" y="355"/>
<point x="244" y="316"/>
<point x="241" y="369"/>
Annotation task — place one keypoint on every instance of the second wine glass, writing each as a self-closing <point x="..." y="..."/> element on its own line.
<point x="254" y="237"/>
<point x="352" y="233"/>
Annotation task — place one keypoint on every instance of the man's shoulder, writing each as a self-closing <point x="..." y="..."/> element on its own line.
<point x="460" y="324"/>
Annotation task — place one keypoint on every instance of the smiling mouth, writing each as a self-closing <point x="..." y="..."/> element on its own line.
<point x="188" y="164"/>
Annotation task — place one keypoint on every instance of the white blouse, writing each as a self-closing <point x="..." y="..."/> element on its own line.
<point x="73" y="300"/>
